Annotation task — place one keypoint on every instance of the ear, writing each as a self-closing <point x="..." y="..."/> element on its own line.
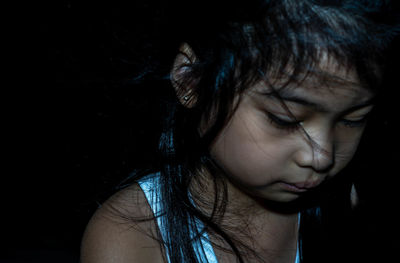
<point x="180" y="76"/>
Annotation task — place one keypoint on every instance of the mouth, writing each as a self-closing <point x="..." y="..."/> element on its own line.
<point x="300" y="187"/>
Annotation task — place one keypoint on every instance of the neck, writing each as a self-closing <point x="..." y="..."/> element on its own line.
<point x="245" y="218"/>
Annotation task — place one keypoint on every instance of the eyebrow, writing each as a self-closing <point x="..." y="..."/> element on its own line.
<point x="316" y="106"/>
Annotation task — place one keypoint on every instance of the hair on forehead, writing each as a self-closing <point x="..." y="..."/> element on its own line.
<point x="328" y="73"/>
<point x="304" y="39"/>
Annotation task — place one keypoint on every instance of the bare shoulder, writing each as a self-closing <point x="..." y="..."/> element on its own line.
<point x="112" y="236"/>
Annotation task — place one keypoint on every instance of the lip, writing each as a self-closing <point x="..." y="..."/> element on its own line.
<point x="300" y="187"/>
<point x="292" y="187"/>
<point x="307" y="184"/>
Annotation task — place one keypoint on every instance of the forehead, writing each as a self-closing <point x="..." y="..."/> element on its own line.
<point x="327" y="99"/>
<point x="330" y="85"/>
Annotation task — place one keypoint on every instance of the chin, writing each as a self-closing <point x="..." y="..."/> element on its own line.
<point x="285" y="198"/>
<point x="277" y="197"/>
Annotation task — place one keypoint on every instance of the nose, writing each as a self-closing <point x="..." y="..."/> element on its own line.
<point x="316" y="151"/>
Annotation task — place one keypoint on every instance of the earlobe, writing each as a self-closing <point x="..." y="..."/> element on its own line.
<point x="181" y="77"/>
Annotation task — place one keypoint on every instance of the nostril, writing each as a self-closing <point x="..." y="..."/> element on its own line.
<point x="319" y="161"/>
<point x="322" y="164"/>
<point x="323" y="159"/>
<point x="318" y="151"/>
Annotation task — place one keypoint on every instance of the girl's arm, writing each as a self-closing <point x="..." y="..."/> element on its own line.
<point x="109" y="238"/>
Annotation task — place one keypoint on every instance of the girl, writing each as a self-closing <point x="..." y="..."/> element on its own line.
<point x="269" y="102"/>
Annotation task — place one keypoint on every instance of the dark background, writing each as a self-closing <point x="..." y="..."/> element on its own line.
<point x="79" y="132"/>
<point x="75" y="130"/>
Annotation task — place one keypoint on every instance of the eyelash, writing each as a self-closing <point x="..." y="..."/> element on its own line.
<point x="282" y="124"/>
<point x="292" y="126"/>
<point x="355" y="124"/>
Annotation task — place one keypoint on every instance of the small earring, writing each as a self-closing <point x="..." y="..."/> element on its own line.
<point x="186" y="98"/>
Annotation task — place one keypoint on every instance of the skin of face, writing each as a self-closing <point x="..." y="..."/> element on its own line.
<point x="265" y="157"/>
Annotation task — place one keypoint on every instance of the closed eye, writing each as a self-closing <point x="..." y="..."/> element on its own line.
<point x="355" y="123"/>
<point x="283" y="124"/>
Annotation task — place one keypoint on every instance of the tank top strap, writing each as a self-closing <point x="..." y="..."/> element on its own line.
<point x="202" y="246"/>
<point x="297" y="260"/>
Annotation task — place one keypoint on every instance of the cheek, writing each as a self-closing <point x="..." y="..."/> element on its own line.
<point x="249" y="154"/>
<point x="346" y="148"/>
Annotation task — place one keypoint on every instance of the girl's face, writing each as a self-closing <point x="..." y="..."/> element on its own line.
<point x="276" y="147"/>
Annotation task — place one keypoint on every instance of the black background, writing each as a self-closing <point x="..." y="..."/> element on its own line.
<point x="76" y="133"/>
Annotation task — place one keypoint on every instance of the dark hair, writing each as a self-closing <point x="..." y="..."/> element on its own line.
<point x="237" y="43"/>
